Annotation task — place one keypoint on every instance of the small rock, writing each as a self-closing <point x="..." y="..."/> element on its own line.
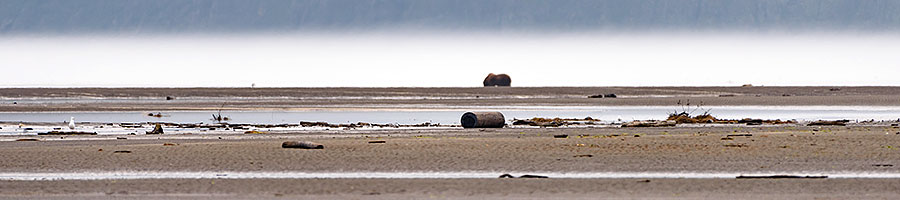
<point x="302" y="145"/>
<point x="507" y="176"/>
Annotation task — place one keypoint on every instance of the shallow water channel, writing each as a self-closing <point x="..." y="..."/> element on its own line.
<point x="452" y="115"/>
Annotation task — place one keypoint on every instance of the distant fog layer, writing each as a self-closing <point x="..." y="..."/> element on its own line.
<point x="449" y="60"/>
<point x="178" y="16"/>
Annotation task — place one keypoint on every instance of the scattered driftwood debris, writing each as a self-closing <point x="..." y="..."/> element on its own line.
<point x="377" y="142"/>
<point x="124" y="151"/>
<point x="829" y="123"/>
<point x="650" y="123"/>
<point x="156" y="130"/>
<point x="523" y="176"/>
<point x="740" y="135"/>
<point x="561" y="136"/>
<point x="68" y="133"/>
<point x="555" y="122"/>
<point x="28" y="140"/>
<point x="736" y="145"/>
<point x="600" y="96"/>
<point x="131" y="125"/>
<point x="882" y="165"/>
<point x="779" y="177"/>
<point x="302" y="145"/>
<point x="583" y="156"/>
<point x="686" y="116"/>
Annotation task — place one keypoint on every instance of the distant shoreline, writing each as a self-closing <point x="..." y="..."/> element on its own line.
<point x="154" y="99"/>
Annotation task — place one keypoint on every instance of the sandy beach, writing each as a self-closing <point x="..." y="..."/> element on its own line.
<point x="859" y="148"/>
<point x="654" y="149"/>
<point x="869" y="149"/>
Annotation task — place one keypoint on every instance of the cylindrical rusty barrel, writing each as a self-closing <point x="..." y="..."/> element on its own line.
<point x="483" y="120"/>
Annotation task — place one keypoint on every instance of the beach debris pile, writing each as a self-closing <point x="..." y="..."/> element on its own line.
<point x="649" y="123"/>
<point x="686" y="116"/>
<point x="555" y="122"/>
<point x="829" y="123"/>
<point x="302" y="145"/>
<point x="598" y="96"/>
<point x="706" y="118"/>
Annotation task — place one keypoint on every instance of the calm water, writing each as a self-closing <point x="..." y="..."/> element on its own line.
<point x="451" y="116"/>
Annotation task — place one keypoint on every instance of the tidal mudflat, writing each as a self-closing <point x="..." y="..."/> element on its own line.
<point x="857" y="160"/>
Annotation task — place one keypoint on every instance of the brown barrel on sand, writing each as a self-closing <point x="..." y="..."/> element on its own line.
<point x="483" y="120"/>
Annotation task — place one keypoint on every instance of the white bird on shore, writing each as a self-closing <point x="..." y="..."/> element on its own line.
<point x="72" y="123"/>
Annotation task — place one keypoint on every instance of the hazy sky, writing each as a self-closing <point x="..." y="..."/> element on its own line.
<point x="407" y="43"/>
<point x="433" y="60"/>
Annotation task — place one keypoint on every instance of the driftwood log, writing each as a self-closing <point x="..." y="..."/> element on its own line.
<point x="483" y="120"/>
<point x="302" y="145"/>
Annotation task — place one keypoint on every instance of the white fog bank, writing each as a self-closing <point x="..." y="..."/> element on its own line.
<point x="449" y="61"/>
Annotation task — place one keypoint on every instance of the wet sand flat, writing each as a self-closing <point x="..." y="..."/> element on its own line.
<point x="454" y="189"/>
<point x="871" y="149"/>
<point x="585" y="150"/>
